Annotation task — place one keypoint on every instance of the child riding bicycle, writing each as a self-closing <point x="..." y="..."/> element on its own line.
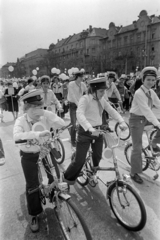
<point x="89" y="116"/>
<point x="34" y="112"/>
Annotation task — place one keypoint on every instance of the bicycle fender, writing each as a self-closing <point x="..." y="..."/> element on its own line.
<point x="64" y="196"/>
<point x="110" y="187"/>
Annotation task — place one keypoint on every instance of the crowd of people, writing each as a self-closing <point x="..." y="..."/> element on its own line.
<point x="47" y="100"/>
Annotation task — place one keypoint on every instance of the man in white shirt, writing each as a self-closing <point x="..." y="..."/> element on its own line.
<point x="140" y="113"/>
<point x="76" y="89"/>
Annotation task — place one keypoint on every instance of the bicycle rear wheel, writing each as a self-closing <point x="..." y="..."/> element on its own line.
<point x="127" y="152"/>
<point x="127" y="206"/>
<point x="124" y="134"/>
<point x="72" y="223"/>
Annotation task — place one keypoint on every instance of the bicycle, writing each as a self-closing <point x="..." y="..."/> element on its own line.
<point x="69" y="218"/>
<point x="126" y="134"/>
<point x="125" y="202"/>
<point x="149" y="158"/>
<point x="59" y="147"/>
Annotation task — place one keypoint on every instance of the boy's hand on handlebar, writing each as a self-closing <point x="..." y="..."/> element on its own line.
<point x="95" y="132"/>
<point x="45" y="133"/>
<point x="123" y="126"/>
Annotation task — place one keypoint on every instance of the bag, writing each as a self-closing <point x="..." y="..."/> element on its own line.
<point x="2" y="100"/>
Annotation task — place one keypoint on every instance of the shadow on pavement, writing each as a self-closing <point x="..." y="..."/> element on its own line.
<point x="92" y="200"/>
<point x="54" y="228"/>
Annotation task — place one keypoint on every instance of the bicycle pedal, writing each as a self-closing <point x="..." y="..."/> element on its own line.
<point x="63" y="186"/>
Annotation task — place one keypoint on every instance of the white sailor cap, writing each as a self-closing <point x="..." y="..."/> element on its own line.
<point x="32" y="96"/>
<point x="149" y="71"/>
<point x="98" y="83"/>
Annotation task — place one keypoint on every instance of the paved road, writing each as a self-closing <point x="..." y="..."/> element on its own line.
<point x="90" y="201"/>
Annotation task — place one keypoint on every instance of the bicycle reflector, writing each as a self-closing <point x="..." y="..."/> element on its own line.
<point x="107" y="153"/>
<point x="38" y="127"/>
<point x="49" y="108"/>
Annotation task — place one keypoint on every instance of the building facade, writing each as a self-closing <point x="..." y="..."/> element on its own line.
<point x="136" y="45"/>
<point x="79" y="50"/>
<point x="33" y="60"/>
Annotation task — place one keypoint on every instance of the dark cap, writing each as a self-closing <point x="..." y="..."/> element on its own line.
<point x="32" y="96"/>
<point x="98" y="83"/>
<point x="45" y="78"/>
<point x="149" y="71"/>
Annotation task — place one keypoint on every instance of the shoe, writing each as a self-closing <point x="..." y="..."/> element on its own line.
<point x="34" y="224"/>
<point x="2" y="161"/>
<point x="137" y="178"/>
<point x="51" y="195"/>
<point x="67" y="181"/>
<point x="73" y="144"/>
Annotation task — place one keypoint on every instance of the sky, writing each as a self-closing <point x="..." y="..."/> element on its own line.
<point x="26" y="25"/>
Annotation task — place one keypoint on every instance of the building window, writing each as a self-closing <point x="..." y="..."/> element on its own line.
<point x="131" y="38"/>
<point x="153" y="35"/>
<point x="119" y="42"/>
<point x="125" y="39"/>
<point x="113" y="43"/>
<point x="93" y="50"/>
<point x="138" y="37"/>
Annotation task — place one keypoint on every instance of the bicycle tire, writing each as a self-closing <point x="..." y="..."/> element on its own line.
<point x="123" y="138"/>
<point x="55" y="165"/>
<point x="104" y="142"/>
<point x="152" y="134"/>
<point x="126" y="194"/>
<point x="127" y="150"/>
<point x="72" y="224"/>
<point x="62" y="152"/>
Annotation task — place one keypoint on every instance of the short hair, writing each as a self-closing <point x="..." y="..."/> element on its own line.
<point x="32" y="105"/>
<point x="30" y="80"/>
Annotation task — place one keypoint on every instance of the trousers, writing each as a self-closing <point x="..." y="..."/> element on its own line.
<point x="137" y="124"/>
<point x="30" y="170"/>
<point x="72" y="111"/>
<point x="84" y="140"/>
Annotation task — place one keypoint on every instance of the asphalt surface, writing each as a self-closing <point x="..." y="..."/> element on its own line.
<point x="92" y="203"/>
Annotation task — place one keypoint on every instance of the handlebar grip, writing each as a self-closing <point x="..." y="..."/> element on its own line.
<point x="20" y="141"/>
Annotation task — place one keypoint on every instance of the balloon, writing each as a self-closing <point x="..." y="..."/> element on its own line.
<point x="82" y="70"/>
<point x="53" y="70"/>
<point x="62" y="76"/>
<point x="10" y="68"/>
<point x="58" y="71"/>
<point x="75" y="70"/>
<point x="34" y="77"/>
<point x="34" y="72"/>
<point x="37" y="68"/>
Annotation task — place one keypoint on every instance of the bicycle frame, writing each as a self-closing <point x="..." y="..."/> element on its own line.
<point x="124" y="177"/>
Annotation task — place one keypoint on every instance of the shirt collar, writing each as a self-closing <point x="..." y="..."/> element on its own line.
<point x="145" y="89"/>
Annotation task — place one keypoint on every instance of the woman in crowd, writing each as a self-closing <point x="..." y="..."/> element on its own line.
<point x="12" y="100"/>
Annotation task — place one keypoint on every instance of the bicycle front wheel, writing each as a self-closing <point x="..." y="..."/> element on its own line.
<point x="124" y="135"/>
<point x="127" y="152"/>
<point x="72" y="223"/>
<point x="127" y="206"/>
<point x="61" y="151"/>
